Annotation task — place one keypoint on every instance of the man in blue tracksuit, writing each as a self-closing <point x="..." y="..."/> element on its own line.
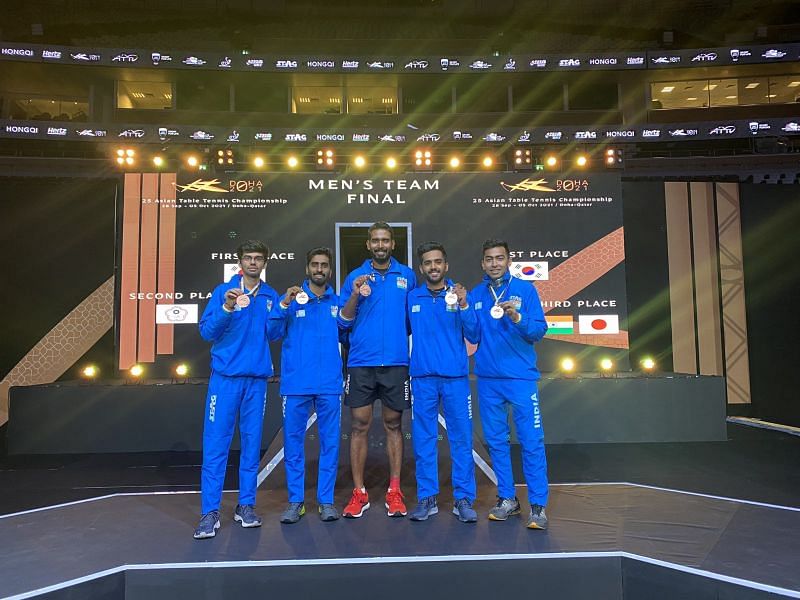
<point x="510" y="321"/>
<point x="235" y="322"/>
<point x="311" y="379"/>
<point x="440" y="371"/>
<point x="373" y="305"/>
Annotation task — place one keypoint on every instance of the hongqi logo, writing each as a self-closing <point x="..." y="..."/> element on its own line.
<point x="202" y="185"/>
<point x="527" y="185"/>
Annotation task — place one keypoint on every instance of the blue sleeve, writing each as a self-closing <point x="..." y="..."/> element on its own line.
<point x="275" y="329"/>
<point x="469" y="321"/>
<point x="278" y="320"/>
<point x="215" y="319"/>
<point x="532" y="326"/>
<point x="344" y="296"/>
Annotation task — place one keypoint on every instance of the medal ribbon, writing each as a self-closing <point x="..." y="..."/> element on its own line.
<point x="496" y="297"/>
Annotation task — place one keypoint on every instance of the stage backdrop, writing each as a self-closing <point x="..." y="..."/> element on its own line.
<point x="180" y="232"/>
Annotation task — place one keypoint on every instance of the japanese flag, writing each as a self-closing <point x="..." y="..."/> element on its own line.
<point x="530" y="271"/>
<point x="233" y="269"/>
<point x="589" y="324"/>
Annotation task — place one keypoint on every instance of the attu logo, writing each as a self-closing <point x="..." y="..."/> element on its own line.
<point x="527" y="185"/>
<point x="202" y="185"/>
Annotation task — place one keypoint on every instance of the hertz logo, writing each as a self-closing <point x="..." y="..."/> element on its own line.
<point x="202" y="185"/>
<point x="527" y="185"/>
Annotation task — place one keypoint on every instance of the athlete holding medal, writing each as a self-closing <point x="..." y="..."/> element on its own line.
<point x="311" y="379"/>
<point x="235" y="322"/>
<point x="373" y="306"/>
<point x="510" y="321"/>
<point x="440" y="373"/>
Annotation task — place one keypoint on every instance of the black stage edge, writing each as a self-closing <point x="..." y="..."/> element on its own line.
<point x="610" y="577"/>
<point x="100" y="418"/>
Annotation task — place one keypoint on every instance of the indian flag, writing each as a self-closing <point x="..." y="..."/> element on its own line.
<point x="560" y="325"/>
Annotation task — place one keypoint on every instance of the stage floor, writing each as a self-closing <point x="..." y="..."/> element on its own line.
<point x="744" y="541"/>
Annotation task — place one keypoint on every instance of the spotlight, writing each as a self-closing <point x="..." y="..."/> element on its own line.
<point x="258" y="162"/>
<point x="567" y="364"/>
<point x="391" y="163"/>
<point x="326" y="159"/>
<point x="487" y="161"/>
<point x="581" y="161"/>
<point x="158" y="161"/>
<point x="648" y="364"/>
<point x="136" y="371"/>
<point x="423" y="160"/>
<point x="182" y="370"/>
<point x="551" y="162"/>
<point x="225" y="158"/>
<point x="455" y="162"/>
<point x="613" y="158"/>
<point x="192" y="161"/>
<point x="522" y="159"/>
<point x="606" y="365"/>
<point x="126" y="156"/>
<point x="360" y="161"/>
<point x="292" y="161"/>
<point x="90" y="372"/>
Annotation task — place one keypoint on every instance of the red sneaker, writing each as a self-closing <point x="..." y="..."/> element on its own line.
<point x="394" y="503"/>
<point x="359" y="502"/>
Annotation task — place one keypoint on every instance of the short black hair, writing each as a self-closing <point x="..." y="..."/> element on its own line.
<point x="319" y="250"/>
<point x="252" y="246"/>
<point x="492" y="243"/>
<point x="380" y="225"/>
<point x="425" y="247"/>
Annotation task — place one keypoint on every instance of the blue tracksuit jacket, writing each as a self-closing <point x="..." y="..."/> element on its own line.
<point x="438" y="346"/>
<point x="240" y="339"/>
<point x="310" y="361"/>
<point x="505" y="349"/>
<point x="379" y="333"/>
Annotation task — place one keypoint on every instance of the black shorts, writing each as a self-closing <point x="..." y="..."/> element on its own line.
<point x="364" y="385"/>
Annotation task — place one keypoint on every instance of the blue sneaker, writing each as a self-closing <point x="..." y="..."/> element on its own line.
<point x="207" y="528"/>
<point x="464" y="511"/>
<point x="246" y="515"/>
<point x="425" y="508"/>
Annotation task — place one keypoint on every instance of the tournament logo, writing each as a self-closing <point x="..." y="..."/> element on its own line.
<point x="202" y="185"/>
<point x="527" y="185"/>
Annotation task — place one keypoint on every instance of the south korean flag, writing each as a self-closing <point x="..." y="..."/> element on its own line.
<point x="530" y="271"/>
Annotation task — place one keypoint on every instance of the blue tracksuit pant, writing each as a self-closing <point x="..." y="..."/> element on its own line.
<point x="496" y="397"/>
<point x="457" y="405"/>
<point x="296" y="410"/>
<point x="227" y="398"/>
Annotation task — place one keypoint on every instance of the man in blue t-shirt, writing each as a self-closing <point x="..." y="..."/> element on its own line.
<point x="311" y="379"/>
<point x="510" y="322"/>
<point x="235" y="322"/>
<point x="373" y="306"/>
